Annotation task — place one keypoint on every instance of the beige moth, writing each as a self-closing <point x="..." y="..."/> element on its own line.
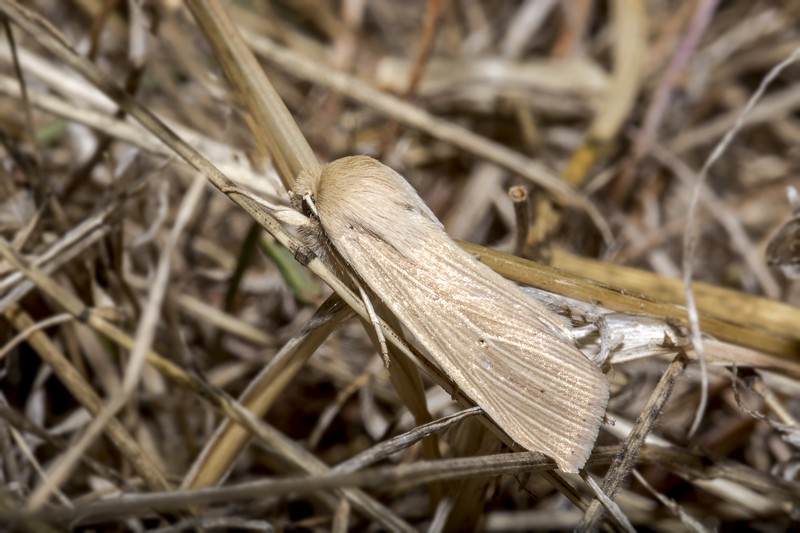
<point x="512" y="356"/>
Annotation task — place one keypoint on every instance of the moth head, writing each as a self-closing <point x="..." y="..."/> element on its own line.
<point x="304" y="193"/>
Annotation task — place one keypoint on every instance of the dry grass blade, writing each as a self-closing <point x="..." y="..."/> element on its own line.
<point x="765" y="325"/>
<point x="612" y="112"/>
<point x="112" y="116"/>
<point x="690" y="234"/>
<point x="291" y="154"/>
<point x="623" y="464"/>
<point x="133" y="372"/>
<point x="403" y="475"/>
<point x="415" y="117"/>
<point x="275" y="440"/>
<point x="229" y="439"/>
<point x="87" y="396"/>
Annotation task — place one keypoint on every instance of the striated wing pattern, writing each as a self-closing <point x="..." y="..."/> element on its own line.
<point x="521" y="367"/>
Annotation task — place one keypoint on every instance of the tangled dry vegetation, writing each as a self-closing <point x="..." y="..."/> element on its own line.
<point x="143" y="310"/>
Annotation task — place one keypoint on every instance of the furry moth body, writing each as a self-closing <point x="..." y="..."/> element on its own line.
<point x="508" y="353"/>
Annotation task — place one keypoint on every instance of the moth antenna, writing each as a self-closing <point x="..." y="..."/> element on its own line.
<point x="373" y="317"/>
<point x="257" y="199"/>
<point x="283" y="214"/>
<point x="310" y="204"/>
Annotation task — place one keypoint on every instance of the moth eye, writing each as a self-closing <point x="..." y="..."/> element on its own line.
<point x="482" y="342"/>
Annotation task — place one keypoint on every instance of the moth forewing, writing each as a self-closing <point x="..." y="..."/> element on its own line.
<point x="511" y="355"/>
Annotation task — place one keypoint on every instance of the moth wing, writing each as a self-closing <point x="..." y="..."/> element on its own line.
<point x="508" y="353"/>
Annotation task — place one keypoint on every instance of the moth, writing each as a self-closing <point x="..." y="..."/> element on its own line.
<point x="512" y="356"/>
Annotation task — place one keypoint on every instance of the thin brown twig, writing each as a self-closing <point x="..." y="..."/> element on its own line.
<point x="519" y="198"/>
<point x="430" y="28"/>
<point x="661" y="99"/>
<point x="625" y="461"/>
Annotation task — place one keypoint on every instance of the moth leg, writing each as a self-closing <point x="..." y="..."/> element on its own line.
<point x="373" y="317"/>
<point x="304" y="255"/>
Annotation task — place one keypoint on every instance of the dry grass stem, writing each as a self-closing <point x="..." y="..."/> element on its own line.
<point x="173" y="357"/>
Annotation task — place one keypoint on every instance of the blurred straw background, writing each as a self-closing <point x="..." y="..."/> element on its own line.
<point x="167" y="365"/>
